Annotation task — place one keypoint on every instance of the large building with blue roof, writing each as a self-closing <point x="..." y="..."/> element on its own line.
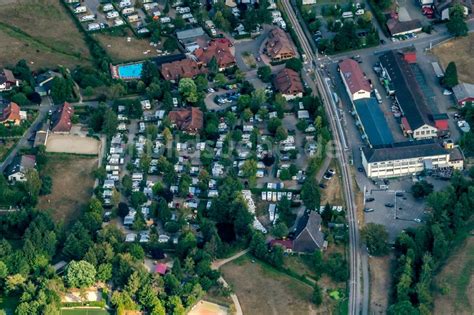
<point x="372" y="122"/>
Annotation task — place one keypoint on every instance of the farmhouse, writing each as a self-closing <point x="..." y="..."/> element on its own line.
<point x="404" y="159"/>
<point x="186" y="68"/>
<point x="12" y="115"/>
<point x="7" y="80"/>
<point x="189" y="119"/>
<point x="278" y="46"/>
<point x="289" y="84"/>
<point x="309" y="237"/>
<point x="17" y="170"/>
<point x="354" y="80"/>
<point x="62" y="119"/>
<point x="464" y="93"/>
<point x="417" y="118"/>
<point x="218" y="49"/>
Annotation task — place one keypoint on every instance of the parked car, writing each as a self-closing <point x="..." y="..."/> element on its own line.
<point x="369" y="210"/>
<point x="447" y="92"/>
<point x="370" y="199"/>
<point x="389" y="205"/>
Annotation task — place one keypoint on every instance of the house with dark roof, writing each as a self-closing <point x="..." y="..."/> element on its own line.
<point x="464" y="92"/>
<point x="404" y="158"/>
<point x="397" y="27"/>
<point x="62" y="119"/>
<point x="278" y="46"/>
<point x="308" y="235"/>
<point x="11" y="115"/>
<point x="417" y="121"/>
<point x="442" y="7"/>
<point x="186" y="68"/>
<point x="190" y="120"/>
<point x="288" y="83"/>
<point x="44" y="82"/>
<point x="372" y="122"/>
<point x="19" y="167"/>
<point x="219" y="49"/>
<point x="357" y="86"/>
<point x="7" y="80"/>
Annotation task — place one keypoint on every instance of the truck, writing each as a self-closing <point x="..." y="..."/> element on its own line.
<point x="377" y="96"/>
<point x="80" y="9"/>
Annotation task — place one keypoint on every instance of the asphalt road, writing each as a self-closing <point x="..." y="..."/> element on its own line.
<point x="341" y="146"/>
<point x="46" y="105"/>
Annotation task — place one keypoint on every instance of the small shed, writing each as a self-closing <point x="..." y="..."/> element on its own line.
<point x="161" y="268"/>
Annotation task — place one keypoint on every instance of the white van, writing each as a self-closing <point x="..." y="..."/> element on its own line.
<point x="360" y="12"/>
<point x="93" y="27"/>
<point x="119" y="22"/>
<point x="112" y="15"/>
<point x="80" y="9"/>
<point x="347" y="15"/>
<point x="125" y="3"/>
<point x="128" y="11"/>
<point x="377" y="96"/>
<point x="165" y="19"/>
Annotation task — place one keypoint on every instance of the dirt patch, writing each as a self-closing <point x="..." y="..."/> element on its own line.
<point x="333" y="193"/>
<point x="51" y="39"/>
<point x="458" y="50"/>
<point x="249" y="60"/>
<point x="262" y="290"/>
<point x="208" y="308"/>
<point x="121" y="50"/>
<point x="72" y="144"/>
<point x="72" y="186"/>
<point x="456" y="280"/>
<point x="380" y="283"/>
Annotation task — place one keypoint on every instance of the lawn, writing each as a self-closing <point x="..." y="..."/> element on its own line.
<point x="51" y="39"/>
<point x="120" y="50"/>
<point x="72" y="185"/>
<point x="5" y="148"/>
<point x="456" y="281"/>
<point x="264" y="290"/>
<point x="458" y="50"/>
<point x="84" y="311"/>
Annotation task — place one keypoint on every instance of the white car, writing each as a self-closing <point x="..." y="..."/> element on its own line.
<point x="210" y="90"/>
<point x="447" y="92"/>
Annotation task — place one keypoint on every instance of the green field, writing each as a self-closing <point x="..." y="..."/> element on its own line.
<point x="84" y="311"/>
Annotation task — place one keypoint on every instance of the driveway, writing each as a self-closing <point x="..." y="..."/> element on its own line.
<point x="251" y="46"/>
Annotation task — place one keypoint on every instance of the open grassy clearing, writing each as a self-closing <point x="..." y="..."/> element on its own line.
<point x="458" y="50"/>
<point x="42" y="32"/>
<point x="333" y="194"/>
<point x="380" y="283"/>
<point x="72" y="185"/>
<point x="120" y="50"/>
<point x="5" y="148"/>
<point x="456" y="280"/>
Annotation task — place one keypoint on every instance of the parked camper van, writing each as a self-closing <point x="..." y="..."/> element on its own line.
<point x="80" y="9"/>
<point x="93" y="26"/>
<point x="347" y="15"/>
<point x="89" y="17"/>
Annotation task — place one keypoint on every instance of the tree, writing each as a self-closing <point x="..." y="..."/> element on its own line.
<point x="20" y="99"/>
<point x="294" y="64"/>
<point x="220" y="79"/>
<point x="79" y="274"/>
<point x="457" y="25"/>
<point x="60" y="90"/>
<point x="281" y="134"/>
<point x="280" y="230"/>
<point x="188" y="90"/>
<point x="213" y="66"/>
<point x="376" y="237"/>
<point x="149" y="72"/>
<point x="421" y="189"/>
<point x="317" y="297"/>
<point x="170" y="44"/>
<point x="450" y="78"/>
<point x="265" y="73"/>
<point x="109" y="127"/>
<point x="310" y="193"/>
<point x="273" y="125"/>
<point x="249" y="168"/>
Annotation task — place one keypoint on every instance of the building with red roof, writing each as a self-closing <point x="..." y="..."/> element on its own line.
<point x="357" y="86"/>
<point x="186" y="68"/>
<point x="161" y="269"/>
<point x="289" y="84"/>
<point x="11" y="115"/>
<point x="278" y="46"/>
<point x="190" y="120"/>
<point x="286" y="244"/>
<point x="219" y="49"/>
<point x="7" y="80"/>
<point x="62" y="119"/>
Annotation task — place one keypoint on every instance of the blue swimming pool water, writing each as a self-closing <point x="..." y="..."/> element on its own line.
<point x="132" y="71"/>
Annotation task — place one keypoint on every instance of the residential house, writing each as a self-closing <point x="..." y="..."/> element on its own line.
<point x="7" y="80"/>
<point x="417" y="120"/>
<point x="62" y="119"/>
<point x="278" y="46"/>
<point x="464" y="93"/>
<point x="192" y="39"/>
<point x="357" y="86"/>
<point x="403" y="159"/>
<point x="218" y="49"/>
<point x="287" y="245"/>
<point x="190" y="120"/>
<point x="186" y="68"/>
<point x="397" y="27"/>
<point x="41" y="136"/>
<point x="289" y="84"/>
<point x="44" y="82"/>
<point x="19" y="167"/>
<point x="309" y="237"/>
<point x="11" y="115"/>
<point x="442" y="7"/>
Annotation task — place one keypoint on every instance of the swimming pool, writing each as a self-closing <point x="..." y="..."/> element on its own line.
<point x="130" y="71"/>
